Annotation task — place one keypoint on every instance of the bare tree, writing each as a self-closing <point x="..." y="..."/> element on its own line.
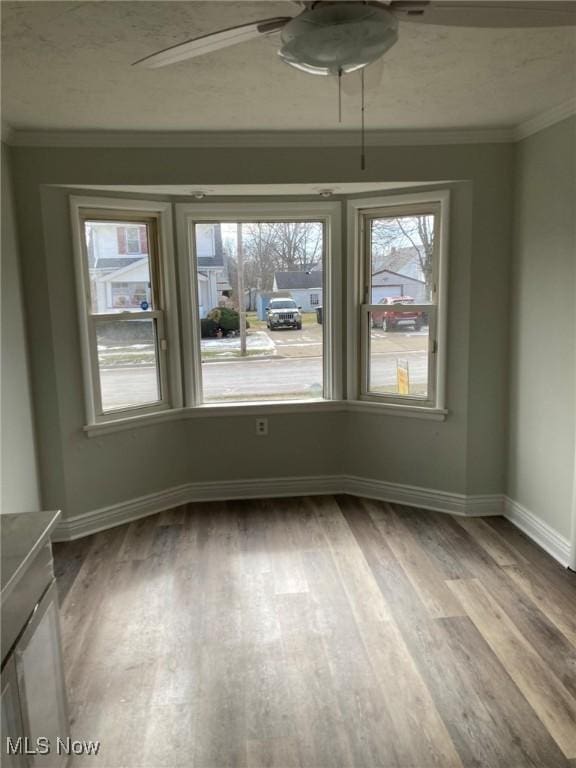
<point x="395" y="233"/>
<point x="271" y="247"/>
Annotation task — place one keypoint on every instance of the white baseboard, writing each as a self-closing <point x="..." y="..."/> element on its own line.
<point x="540" y="532"/>
<point x="480" y="505"/>
<point x="127" y="511"/>
<point x="426" y="498"/>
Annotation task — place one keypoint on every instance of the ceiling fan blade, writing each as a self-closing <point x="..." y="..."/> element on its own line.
<point x="224" y="38"/>
<point x="513" y="13"/>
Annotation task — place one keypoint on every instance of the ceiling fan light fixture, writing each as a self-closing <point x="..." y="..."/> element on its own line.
<point x="335" y="38"/>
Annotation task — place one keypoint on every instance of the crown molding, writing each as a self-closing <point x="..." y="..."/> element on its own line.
<point x="545" y="119"/>
<point x="217" y="139"/>
<point x="276" y="139"/>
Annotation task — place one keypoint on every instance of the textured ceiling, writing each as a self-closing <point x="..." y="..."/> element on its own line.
<point x="66" y="66"/>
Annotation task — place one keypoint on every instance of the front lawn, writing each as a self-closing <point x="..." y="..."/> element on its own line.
<point x="308" y="318"/>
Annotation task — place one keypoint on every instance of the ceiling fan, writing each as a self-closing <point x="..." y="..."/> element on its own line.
<point x="336" y="38"/>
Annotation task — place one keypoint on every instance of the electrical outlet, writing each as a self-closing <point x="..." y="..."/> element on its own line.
<point x="262" y="427"/>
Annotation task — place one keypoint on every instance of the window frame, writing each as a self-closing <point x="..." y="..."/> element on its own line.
<point x="188" y="214"/>
<point x="157" y="215"/>
<point x="360" y="212"/>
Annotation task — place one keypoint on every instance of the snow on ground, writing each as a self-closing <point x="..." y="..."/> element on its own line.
<point x="256" y="341"/>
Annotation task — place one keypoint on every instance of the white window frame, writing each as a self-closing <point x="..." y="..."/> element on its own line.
<point x="188" y="214"/>
<point x="165" y="314"/>
<point x="359" y="211"/>
<point x="127" y="228"/>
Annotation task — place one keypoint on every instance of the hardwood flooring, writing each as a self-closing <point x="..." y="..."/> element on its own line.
<point x="318" y="632"/>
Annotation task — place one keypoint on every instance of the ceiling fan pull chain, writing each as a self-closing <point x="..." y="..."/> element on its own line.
<point x="363" y="126"/>
<point x="340" y="95"/>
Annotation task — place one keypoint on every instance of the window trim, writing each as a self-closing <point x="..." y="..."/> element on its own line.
<point x="328" y="212"/>
<point x="167" y="319"/>
<point x="357" y="370"/>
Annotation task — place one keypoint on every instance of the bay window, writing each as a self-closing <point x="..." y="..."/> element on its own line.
<point x="400" y="309"/>
<point x="124" y="281"/>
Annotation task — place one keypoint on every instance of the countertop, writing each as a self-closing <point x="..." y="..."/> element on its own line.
<point x="22" y="537"/>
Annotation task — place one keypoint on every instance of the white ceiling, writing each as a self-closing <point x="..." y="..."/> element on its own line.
<point x="66" y="66"/>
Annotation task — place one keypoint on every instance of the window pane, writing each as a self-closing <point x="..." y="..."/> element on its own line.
<point x="401" y="258"/>
<point x="398" y="354"/>
<point x="127" y="363"/>
<point x="277" y="268"/>
<point x="118" y="266"/>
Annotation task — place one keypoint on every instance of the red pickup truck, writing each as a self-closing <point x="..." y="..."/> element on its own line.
<point x="390" y="320"/>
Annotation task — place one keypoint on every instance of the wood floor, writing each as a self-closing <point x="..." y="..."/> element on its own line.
<point x="319" y="632"/>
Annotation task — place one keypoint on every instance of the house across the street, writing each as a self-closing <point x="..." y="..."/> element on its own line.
<point x="387" y="283"/>
<point x="212" y="272"/>
<point x="304" y="287"/>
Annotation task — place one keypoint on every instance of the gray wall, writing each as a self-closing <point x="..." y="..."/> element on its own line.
<point x="465" y="454"/>
<point x="543" y="330"/>
<point x="18" y="479"/>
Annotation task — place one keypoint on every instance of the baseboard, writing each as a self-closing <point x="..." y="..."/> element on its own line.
<point x="125" y="512"/>
<point x="480" y="505"/>
<point x="426" y="498"/>
<point x="536" y="529"/>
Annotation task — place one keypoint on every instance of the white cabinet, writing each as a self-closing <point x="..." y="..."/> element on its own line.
<point x="35" y="723"/>
<point x="11" y="719"/>
<point x="41" y="681"/>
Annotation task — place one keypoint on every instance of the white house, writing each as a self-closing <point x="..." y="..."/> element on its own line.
<point x="304" y="287"/>
<point x="120" y="268"/>
<point x="212" y="272"/>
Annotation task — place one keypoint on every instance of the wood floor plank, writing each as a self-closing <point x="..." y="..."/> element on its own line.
<point x="558" y="577"/>
<point x="84" y="605"/>
<point x="560" y="610"/>
<point x="272" y="753"/>
<point x="519" y="732"/>
<point x="335" y="623"/>
<point x="174" y="516"/>
<point x="336" y="529"/>
<point x="475" y="706"/>
<point x="426" y="579"/>
<point x="546" y="639"/>
<point x="420" y="734"/>
<point x="311" y="690"/>
<point x="366" y="599"/>
<point x="546" y="694"/>
<point x="221" y="719"/>
<point x="391" y="578"/>
<point x="469" y="709"/>
<point x="69" y="557"/>
<point x="288" y="570"/>
<point x="490" y="540"/>
<point x="138" y="539"/>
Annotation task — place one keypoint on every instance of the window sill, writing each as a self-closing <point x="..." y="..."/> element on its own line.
<point x="211" y="411"/>
<point x="407" y="411"/>
<point x="265" y="409"/>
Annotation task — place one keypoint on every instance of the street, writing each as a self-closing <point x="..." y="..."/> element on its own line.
<point x="257" y="379"/>
<point x="281" y="365"/>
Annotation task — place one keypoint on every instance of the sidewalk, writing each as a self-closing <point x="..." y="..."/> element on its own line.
<point x="258" y="344"/>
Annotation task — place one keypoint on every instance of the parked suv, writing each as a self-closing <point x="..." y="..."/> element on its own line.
<point x="390" y="320"/>
<point x="283" y="313"/>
